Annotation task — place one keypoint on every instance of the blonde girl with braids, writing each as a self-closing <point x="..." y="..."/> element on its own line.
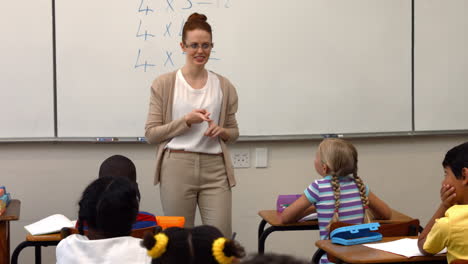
<point x="199" y="245"/>
<point x="341" y="195"/>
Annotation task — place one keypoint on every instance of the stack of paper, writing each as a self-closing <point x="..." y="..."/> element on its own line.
<point x="407" y="247"/>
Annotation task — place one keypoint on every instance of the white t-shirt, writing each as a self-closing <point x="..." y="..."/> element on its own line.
<point x="78" y="249"/>
<point x="187" y="99"/>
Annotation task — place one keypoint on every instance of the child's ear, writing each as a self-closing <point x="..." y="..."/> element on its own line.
<point x="464" y="175"/>
<point x="325" y="168"/>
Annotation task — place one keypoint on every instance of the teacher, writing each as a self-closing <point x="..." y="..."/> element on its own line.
<point x="192" y="115"/>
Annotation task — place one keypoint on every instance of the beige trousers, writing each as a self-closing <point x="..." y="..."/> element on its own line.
<point x="191" y="179"/>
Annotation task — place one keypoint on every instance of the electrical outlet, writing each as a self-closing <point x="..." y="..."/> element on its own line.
<point x="240" y="158"/>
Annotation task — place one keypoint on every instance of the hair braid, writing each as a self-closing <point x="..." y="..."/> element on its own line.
<point x="335" y="183"/>
<point x="80" y="226"/>
<point x="233" y="248"/>
<point x="365" y="200"/>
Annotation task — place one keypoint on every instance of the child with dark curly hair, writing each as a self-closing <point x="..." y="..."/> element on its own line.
<point x="199" y="245"/>
<point x="109" y="206"/>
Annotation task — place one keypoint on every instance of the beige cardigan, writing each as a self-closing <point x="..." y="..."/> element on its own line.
<point x="160" y="127"/>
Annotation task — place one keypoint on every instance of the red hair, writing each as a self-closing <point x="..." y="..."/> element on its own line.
<point x="195" y="21"/>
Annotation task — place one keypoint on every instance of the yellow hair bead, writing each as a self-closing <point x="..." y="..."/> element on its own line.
<point x="218" y="251"/>
<point x="160" y="246"/>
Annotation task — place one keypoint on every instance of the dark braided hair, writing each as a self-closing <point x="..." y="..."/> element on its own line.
<point x="109" y="206"/>
<point x="192" y="245"/>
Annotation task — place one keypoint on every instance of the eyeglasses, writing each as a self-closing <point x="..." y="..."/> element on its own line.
<point x="196" y="46"/>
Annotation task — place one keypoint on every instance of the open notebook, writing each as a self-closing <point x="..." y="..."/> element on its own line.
<point x="49" y="225"/>
<point x="407" y="247"/>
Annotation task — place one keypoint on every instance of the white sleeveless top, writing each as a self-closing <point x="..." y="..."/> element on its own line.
<point x="187" y="99"/>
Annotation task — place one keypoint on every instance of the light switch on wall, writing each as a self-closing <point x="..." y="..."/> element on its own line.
<point x="261" y="157"/>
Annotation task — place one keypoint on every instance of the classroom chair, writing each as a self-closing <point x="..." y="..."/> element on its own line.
<point x="409" y="228"/>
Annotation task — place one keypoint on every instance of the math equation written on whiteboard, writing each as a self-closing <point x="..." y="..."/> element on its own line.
<point x="162" y="21"/>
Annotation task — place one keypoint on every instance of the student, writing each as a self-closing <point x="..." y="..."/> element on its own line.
<point x="109" y="206"/>
<point x="121" y="166"/>
<point x="341" y="195"/>
<point x="272" y="259"/>
<point x="199" y="245"/>
<point x="192" y="116"/>
<point x="449" y="224"/>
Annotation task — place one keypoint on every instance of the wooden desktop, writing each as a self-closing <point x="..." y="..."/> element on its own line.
<point x="359" y="254"/>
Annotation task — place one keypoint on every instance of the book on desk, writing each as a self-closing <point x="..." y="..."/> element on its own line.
<point x="49" y="225"/>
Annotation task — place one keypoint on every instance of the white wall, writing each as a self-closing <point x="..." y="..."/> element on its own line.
<point x="49" y="177"/>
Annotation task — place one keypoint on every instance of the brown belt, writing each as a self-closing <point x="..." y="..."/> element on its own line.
<point x="192" y="152"/>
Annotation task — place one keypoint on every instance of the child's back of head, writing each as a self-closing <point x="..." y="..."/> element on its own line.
<point x="109" y="206"/>
<point x="340" y="159"/>
<point x="339" y="155"/>
<point x="118" y="166"/>
<point x="198" y="245"/>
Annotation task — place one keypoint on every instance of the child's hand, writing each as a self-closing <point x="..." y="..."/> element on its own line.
<point x="447" y="195"/>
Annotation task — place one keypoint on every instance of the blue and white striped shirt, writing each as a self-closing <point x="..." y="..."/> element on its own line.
<point x="351" y="210"/>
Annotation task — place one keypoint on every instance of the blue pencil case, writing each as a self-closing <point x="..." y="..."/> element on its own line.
<point x="356" y="234"/>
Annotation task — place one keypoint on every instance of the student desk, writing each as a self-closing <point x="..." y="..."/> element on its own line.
<point x="359" y="254"/>
<point x="37" y="242"/>
<point x="271" y="217"/>
<point x="12" y="213"/>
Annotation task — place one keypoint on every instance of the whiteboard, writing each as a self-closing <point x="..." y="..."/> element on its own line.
<point x="26" y="78"/>
<point x="300" y="67"/>
<point x="441" y="65"/>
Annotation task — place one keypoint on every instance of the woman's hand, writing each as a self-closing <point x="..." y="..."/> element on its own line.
<point x="447" y="195"/>
<point x="197" y="116"/>
<point x="214" y="130"/>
